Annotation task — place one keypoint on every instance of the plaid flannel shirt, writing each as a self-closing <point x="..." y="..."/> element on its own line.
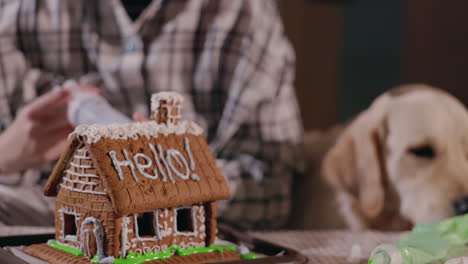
<point x="230" y="60"/>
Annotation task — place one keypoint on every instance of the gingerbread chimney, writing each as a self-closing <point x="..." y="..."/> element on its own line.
<point x="165" y="107"/>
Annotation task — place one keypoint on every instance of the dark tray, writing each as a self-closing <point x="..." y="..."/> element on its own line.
<point x="224" y="232"/>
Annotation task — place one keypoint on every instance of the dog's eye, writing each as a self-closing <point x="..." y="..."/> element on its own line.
<point x="425" y="151"/>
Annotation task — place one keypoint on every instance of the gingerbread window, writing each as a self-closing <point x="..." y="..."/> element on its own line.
<point x="69" y="226"/>
<point x="185" y="222"/>
<point x="146" y="226"/>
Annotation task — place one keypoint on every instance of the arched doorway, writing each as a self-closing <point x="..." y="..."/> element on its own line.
<point x="92" y="235"/>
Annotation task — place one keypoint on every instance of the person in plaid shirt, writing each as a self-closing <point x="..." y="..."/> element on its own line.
<point x="229" y="59"/>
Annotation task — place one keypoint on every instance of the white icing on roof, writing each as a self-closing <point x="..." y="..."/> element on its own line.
<point x="94" y="133"/>
<point x="167" y="96"/>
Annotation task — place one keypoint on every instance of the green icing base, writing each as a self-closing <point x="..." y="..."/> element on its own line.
<point x="134" y="258"/>
<point x="64" y="248"/>
<point x="249" y="256"/>
<point x="95" y="259"/>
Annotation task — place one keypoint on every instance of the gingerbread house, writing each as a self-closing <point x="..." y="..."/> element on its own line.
<point x="139" y="187"/>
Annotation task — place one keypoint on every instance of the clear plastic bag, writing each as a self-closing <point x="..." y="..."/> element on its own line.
<point x="86" y="108"/>
<point x="427" y="243"/>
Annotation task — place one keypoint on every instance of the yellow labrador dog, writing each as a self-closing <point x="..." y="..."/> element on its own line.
<point x="401" y="162"/>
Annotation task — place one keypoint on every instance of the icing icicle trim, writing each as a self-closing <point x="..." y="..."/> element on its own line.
<point x="148" y="129"/>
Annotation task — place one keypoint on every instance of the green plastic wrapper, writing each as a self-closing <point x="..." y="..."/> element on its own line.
<point x="427" y="243"/>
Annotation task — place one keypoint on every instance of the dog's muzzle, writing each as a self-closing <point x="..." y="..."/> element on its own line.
<point x="461" y="205"/>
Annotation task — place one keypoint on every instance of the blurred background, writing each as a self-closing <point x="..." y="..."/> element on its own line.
<point x="350" y="51"/>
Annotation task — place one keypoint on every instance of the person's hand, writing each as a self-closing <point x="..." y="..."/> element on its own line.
<point x="38" y="135"/>
<point x="138" y="117"/>
<point x="89" y="89"/>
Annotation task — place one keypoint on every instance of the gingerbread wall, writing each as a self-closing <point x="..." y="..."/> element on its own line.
<point x="166" y="233"/>
<point x="82" y="195"/>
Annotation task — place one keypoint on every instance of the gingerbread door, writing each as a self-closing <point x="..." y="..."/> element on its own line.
<point x="92" y="237"/>
<point x="88" y="241"/>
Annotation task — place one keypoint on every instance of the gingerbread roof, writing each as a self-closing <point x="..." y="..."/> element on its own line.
<point x="146" y="166"/>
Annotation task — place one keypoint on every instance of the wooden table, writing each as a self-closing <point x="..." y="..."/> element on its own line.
<point x="332" y="247"/>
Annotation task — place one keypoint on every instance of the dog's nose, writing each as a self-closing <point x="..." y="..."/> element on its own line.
<point x="461" y="205"/>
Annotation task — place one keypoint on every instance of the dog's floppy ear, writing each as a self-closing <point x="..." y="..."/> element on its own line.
<point x="354" y="164"/>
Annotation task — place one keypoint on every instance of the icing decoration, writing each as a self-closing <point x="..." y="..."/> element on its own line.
<point x="80" y="166"/>
<point x="169" y="174"/>
<point x="156" y="224"/>
<point x="81" y="154"/>
<point x="166" y="230"/>
<point x="189" y="152"/>
<point x="98" y="234"/>
<point x="172" y="102"/>
<point x="70" y="238"/>
<point x="192" y="162"/>
<point x="135" y="258"/>
<point x="79" y="181"/>
<point x="158" y="156"/>
<point x="148" y="129"/>
<point x="64" y="248"/>
<point x="141" y="167"/>
<point x="202" y="219"/>
<point x="173" y="154"/>
<point x="81" y="190"/>
<point x="158" y="164"/>
<point x="125" y="163"/>
<point x="166" y="96"/>
<point x="76" y="181"/>
<point x="184" y="245"/>
<point x="69" y="211"/>
<point x="81" y="174"/>
<point x="124" y="235"/>
<point x="165" y="227"/>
